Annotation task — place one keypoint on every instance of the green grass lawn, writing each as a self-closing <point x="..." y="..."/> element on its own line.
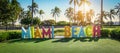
<point x="60" y="46"/>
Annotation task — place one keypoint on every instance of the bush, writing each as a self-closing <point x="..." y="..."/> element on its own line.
<point x="9" y="35"/>
<point x="115" y="33"/>
<point x="48" y="22"/>
<point x="105" y="33"/>
<point x="4" y="36"/>
<point x="14" y="35"/>
<point x="62" y="23"/>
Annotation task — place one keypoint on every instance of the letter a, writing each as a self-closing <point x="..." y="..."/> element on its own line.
<point x="81" y="33"/>
<point x="38" y="33"/>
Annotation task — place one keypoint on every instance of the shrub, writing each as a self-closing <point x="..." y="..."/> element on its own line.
<point x="14" y="35"/>
<point x="59" y="30"/>
<point x="4" y="36"/>
<point x="62" y="23"/>
<point x="115" y="33"/>
<point x="9" y="35"/>
<point x="48" y="22"/>
<point x="105" y="33"/>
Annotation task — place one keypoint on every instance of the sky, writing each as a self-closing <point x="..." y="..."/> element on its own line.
<point x="47" y="5"/>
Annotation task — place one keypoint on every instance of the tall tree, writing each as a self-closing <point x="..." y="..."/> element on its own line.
<point x="41" y="12"/>
<point x="22" y="14"/>
<point x="89" y="16"/>
<point x="55" y="12"/>
<point x="109" y="15"/>
<point x="69" y="12"/>
<point x="84" y="2"/>
<point x="5" y="12"/>
<point x="118" y="11"/>
<point x="15" y="11"/>
<point x="75" y="2"/>
<point x="80" y="18"/>
<point x="33" y="8"/>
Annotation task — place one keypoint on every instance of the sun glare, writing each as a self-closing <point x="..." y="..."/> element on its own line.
<point x="84" y="8"/>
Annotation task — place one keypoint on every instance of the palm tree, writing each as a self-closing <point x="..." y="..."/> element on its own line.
<point x="41" y="12"/>
<point x="33" y="8"/>
<point x="75" y="2"/>
<point x="55" y="12"/>
<point x="109" y="15"/>
<point x="80" y="18"/>
<point x="22" y="14"/>
<point x="69" y="12"/>
<point x="118" y="11"/>
<point x="84" y="2"/>
<point x="90" y="15"/>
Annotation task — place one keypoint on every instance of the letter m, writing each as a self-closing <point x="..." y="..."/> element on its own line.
<point x="26" y="34"/>
<point x="44" y="33"/>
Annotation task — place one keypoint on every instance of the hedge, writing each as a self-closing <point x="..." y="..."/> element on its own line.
<point x="9" y="35"/>
<point x="115" y="33"/>
<point x="105" y="33"/>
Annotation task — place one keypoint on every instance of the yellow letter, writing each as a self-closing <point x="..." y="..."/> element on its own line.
<point x="67" y="31"/>
<point x="38" y="33"/>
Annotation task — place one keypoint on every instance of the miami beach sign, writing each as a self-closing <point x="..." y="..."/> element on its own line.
<point x="69" y="32"/>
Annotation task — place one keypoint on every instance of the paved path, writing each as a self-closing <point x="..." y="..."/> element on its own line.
<point x="59" y="37"/>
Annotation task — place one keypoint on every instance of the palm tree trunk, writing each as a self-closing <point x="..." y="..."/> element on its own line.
<point x="69" y="22"/>
<point x="6" y="26"/>
<point x="110" y="20"/>
<point x="55" y="20"/>
<point x="13" y="24"/>
<point x="101" y="12"/>
<point x="74" y="13"/>
<point x="32" y="12"/>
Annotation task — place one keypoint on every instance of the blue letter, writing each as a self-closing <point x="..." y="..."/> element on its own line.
<point x="52" y="31"/>
<point x="73" y="31"/>
<point x="26" y="34"/>
<point x="81" y="33"/>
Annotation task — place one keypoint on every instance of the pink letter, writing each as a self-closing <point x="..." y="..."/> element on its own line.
<point x="96" y="30"/>
<point x="46" y="33"/>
